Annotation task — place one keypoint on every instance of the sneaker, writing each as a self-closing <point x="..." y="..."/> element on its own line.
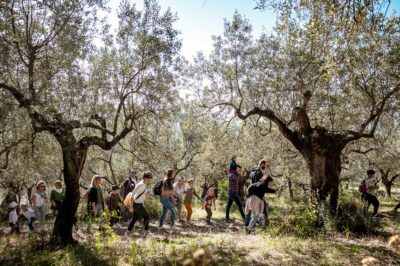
<point x="229" y="220"/>
<point x="173" y="227"/>
<point x="189" y="222"/>
<point x="209" y="223"/>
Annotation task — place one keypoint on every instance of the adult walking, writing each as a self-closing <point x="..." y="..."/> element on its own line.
<point x="369" y="193"/>
<point x="138" y="197"/>
<point x="38" y="200"/>
<point x="95" y="204"/>
<point x="255" y="176"/>
<point x="167" y="198"/>
<point x="234" y="179"/>
<point x="255" y="204"/>
<point x="126" y="187"/>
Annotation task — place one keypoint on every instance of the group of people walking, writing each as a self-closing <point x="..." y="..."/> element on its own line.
<point x="126" y="202"/>
<point x="38" y="204"/>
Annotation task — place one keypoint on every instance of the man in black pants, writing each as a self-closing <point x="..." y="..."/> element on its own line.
<point x="138" y="196"/>
<point x="371" y="184"/>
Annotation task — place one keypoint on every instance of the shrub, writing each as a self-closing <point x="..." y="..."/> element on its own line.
<point x="351" y="218"/>
<point x="153" y="207"/>
<point x="296" y="219"/>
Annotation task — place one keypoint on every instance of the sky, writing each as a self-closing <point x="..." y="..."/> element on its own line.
<point x="201" y="19"/>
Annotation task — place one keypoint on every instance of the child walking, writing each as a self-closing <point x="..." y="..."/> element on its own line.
<point x="113" y="203"/>
<point x="209" y="200"/>
<point x="138" y="197"/>
<point x="13" y="217"/>
<point x="190" y="192"/>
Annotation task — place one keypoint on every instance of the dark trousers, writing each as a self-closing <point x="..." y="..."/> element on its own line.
<point x="139" y="212"/>
<point x="234" y="197"/>
<point x="14" y="228"/>
<point x="397" y="206"/>
<point x="126" y="214"/>
<point x="209" y="213"/>
<point x="30" y="223"/>
<point x="371" y="199"/>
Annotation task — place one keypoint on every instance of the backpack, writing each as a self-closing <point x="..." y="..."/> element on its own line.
<point x="363" y="187"/>
<point x="128" y="185"/>
<point x="128" y="201"/>
<point x="255" y="173"/>
<point x="157" y="189"/>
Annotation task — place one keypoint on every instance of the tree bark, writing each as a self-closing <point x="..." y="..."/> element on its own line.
<point x="325" y="171"/>
<point x="290" y="188"/>
<point x="73" y="161"/>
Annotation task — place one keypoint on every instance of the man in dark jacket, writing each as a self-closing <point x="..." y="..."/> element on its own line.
<point x="257" y="172"/>
<point x="126" y="187"/>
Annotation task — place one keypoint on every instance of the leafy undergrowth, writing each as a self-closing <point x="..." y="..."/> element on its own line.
<point x="289" y="240"/>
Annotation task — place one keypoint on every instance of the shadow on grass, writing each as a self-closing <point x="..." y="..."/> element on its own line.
<point x="25" y="250"/>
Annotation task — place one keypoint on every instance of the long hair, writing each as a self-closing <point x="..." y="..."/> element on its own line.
<point x="170" y="179"/>
<point x="94" y="179"/>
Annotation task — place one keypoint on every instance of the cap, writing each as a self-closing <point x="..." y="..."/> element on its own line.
<point x="12" y="205"/>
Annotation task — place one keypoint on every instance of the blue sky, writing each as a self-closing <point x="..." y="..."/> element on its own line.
<point x="201" y="19"/>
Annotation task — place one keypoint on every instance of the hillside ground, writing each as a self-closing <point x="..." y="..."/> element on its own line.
<point x="290" y="239"/>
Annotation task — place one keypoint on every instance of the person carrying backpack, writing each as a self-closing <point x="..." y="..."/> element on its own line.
<point x="126" y="187"/>
<point x="255" y="203"/>
<point x="138" y="197"/>
<point x="368" y="188"/>
<point x="255" y="175"/>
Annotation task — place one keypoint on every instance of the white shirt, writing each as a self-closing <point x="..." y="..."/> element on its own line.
<point x="13" y="217"/>
<point x="139" y="193"/>
<point x="28" y="213"/>
<point x="370" y="183"/>
<point x="39" y="200"/>
<point x="179" y="191"/>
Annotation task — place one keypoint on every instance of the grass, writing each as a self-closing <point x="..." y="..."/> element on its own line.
<point x="220" y="244"/>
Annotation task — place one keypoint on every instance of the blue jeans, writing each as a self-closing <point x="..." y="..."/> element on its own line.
<point x="234" y="197"/>
<point x="167" y="206"/>
<point x="99" y="208"/>
<point x="254" y="220"/>
<point x="40" y="213"/>
<point x="30" y="223"/>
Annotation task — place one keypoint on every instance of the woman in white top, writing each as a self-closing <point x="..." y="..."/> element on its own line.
<point x="38" y="200"/>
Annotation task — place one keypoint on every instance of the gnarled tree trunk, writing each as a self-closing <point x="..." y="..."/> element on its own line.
<point x="74" y="158"/>
<point x="325" y="168"/>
